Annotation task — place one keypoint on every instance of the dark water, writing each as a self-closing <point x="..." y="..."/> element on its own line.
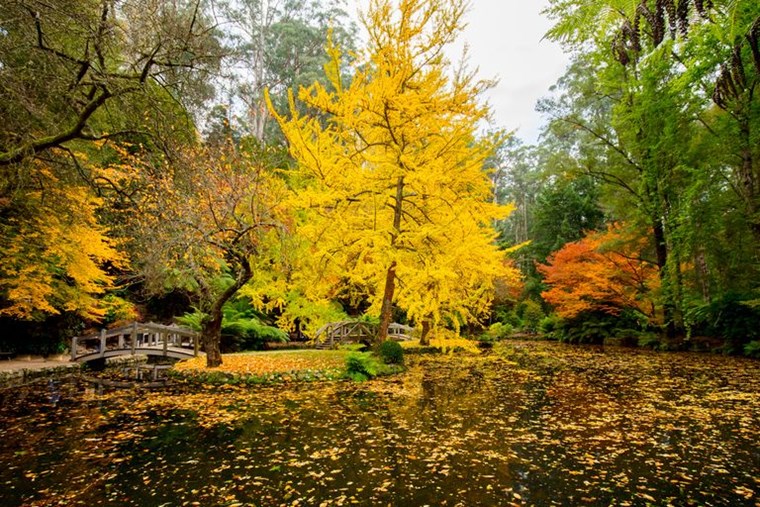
<point x="531" y="424"/>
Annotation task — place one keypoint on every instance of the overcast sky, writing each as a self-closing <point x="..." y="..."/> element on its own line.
<point x="504" y="38"/>
<point x="505" y="42"/>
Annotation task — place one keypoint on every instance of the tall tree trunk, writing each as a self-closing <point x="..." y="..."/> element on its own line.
<point x="211" y="329"/>
<point x="661" y="250"/>
<point x="386" y="309"/>
<point x="424" y="337"/>
<point x="748" y="180"/>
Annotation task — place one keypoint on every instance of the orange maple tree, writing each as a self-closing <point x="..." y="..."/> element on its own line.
<point x="601" y="272"/>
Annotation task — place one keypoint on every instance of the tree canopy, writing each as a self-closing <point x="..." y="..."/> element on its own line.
<point x="393" y="183"/>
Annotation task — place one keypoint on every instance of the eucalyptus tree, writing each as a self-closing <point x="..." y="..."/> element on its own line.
<point x="276" y="45"/>
<point x="516" y="180"/>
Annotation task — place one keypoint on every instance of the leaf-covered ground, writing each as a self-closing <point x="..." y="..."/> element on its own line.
<point x="284" y="365"/>
<point x="528" y="424"/>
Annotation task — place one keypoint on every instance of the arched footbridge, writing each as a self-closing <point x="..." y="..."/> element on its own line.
<point x="352" y="331"/>
<point x="137" y="338"/>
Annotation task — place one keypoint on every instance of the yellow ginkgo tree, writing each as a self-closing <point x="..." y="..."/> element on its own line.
<point x="391" y="175"/>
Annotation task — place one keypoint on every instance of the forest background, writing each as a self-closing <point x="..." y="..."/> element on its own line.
<point x="157" y="159"/>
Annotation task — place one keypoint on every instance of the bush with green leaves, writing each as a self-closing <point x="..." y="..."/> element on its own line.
<point x="549" y="324"/>
<point x="391" y="352"/>
<point x="508" y="317"/>
<point x="588" y="327"/>
<point x="649" y="341"/>
<point x="752" y="349"/>
<point x="596" y="327"/>
<point x="532" y="315"/>
<point x="498" y="331"/>
<point x="731" y="317"/>
<point x="361" y="366"/>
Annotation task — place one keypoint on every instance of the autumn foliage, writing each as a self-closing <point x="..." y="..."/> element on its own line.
<point x="393" y="189"/>
<point x="601" y="272"/>
<point x="55" y="250"/>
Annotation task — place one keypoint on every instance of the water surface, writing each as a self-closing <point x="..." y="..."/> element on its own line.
<point x="529" y="424"/>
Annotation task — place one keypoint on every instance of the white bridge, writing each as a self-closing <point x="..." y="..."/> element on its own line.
<point x="137" y="338"/>
<point x="353" y="331"/>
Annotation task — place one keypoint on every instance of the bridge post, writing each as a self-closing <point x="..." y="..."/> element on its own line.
<point x="166" y="341"/>
<point x="74" y="348"/>
<point x="134" y="337"/>
<point x="102" y="342"/>
<point x="196" y="343"/>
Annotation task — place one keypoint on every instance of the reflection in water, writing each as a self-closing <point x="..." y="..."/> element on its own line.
<point x="537" y="424"/>
<point x="54" y="395"/>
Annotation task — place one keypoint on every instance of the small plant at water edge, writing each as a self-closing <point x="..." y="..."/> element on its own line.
<point x="499" y="331"/>
<point x="391" y="352"/>
<point x="361" y="366"/>
<point x="752" y="349"/>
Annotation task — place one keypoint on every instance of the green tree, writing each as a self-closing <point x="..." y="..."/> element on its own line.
<point x="648" y="116"/>
<point x="565" y="210"/>
<point x="277" y="46"/>
<point x="76" y="77"/>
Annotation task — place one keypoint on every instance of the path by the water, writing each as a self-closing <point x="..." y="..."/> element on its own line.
<point x="35" y="363"/>
<point x="25" y="368"/>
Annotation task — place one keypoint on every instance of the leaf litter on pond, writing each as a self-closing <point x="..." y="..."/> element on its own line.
<point x="529" y="424"/>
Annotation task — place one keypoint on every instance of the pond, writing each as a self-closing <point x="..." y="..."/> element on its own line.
<point x="530" y="423"/>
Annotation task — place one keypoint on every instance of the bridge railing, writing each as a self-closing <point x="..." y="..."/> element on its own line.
<point x="350" y="330"/>
<point x="400" y="332"/>
<point x="133" y="336"/>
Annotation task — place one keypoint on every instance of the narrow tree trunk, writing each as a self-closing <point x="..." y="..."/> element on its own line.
<point x="661" y="250"/>
<point x="386" y="309"/>
<point x="212" y="326"/>
<point x="749" y="181"/>
<point x="424" y="337"/>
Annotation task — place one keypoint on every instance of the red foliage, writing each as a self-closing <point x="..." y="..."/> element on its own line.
<point x="601" y="272"/>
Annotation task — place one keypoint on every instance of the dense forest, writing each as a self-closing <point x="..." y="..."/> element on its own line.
<point x="255" y="169"/>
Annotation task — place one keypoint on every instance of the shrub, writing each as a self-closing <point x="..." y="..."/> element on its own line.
<point x="353" y="347"/>
<point x="391" y="352"/>
<point x="361" y="366"/>
<point x="649" y="341"/>
<point x="532" y="315"/>
<point x="588" y="327"/>
<point x="241" y="327"/>
<point x="549" y="324"/>
<point x="730" y="317"/>
<point x="499" y="331"/>
<point x="752" y="349"/>
<point x="508" y="317"/>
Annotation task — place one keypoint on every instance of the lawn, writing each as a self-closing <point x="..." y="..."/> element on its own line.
<point x="264" y="366"/>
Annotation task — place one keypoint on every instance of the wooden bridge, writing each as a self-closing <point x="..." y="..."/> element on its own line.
<point x="137" y="338"/>
<point x="352" y="331"/>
